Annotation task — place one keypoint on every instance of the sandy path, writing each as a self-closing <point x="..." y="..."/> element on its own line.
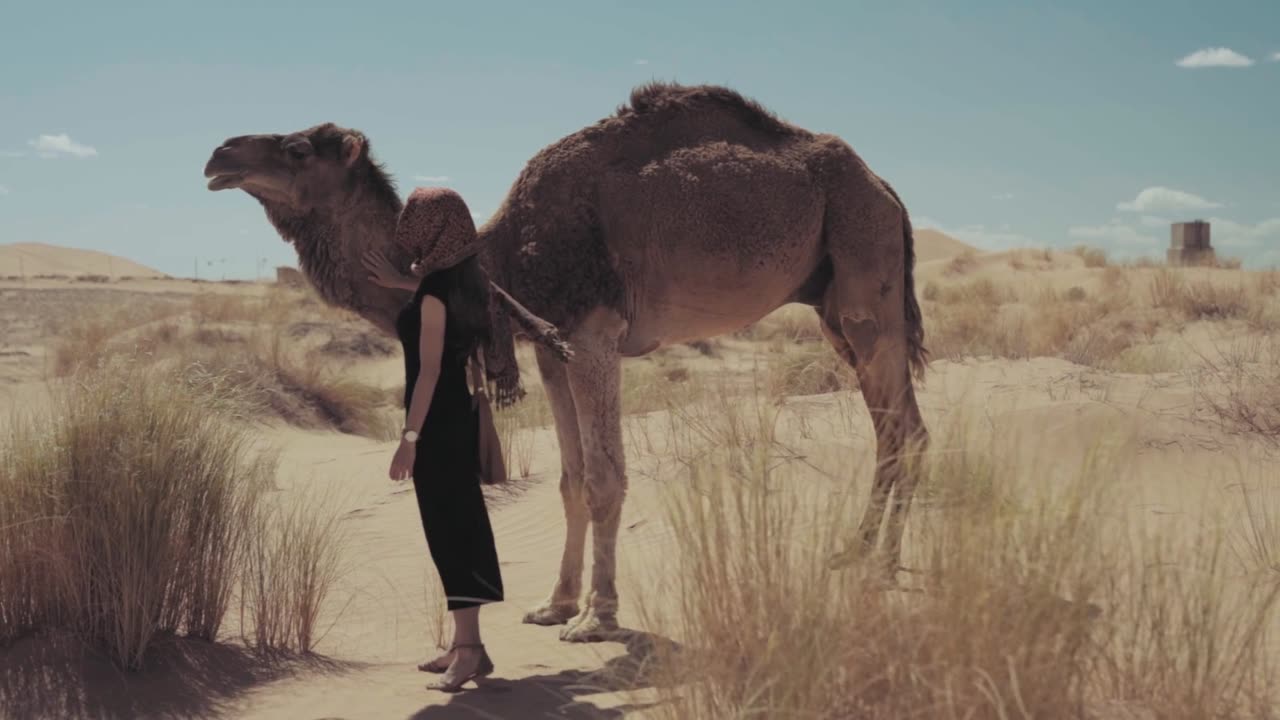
<point x="390" y="600"/>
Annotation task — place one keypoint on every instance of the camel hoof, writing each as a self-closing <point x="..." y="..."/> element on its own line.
<point x="591" y="626"/>
<point x="551" y="614"/>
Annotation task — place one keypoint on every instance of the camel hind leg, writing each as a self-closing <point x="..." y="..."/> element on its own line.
<point x="863" y="317"/>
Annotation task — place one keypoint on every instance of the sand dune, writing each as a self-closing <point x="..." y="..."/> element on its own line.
<point x="33" y="259"/>
<point x="936" y="245"/>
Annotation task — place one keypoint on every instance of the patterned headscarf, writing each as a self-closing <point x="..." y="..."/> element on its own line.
<point x="436" y="228"/>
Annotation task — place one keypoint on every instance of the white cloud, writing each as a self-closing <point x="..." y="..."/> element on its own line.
<point x="49" y="146"/>
<point x="641" y="61"/>
<point x="1227" y="233"/>
<point x="431" y="178"/>
<point x="1275" y="57"/>
<point x="4" y="190"/>
<point x="1215" y="57"/>
<point x="1163" y="199"/>
<point x="1002" y="196"/>
<point x="1115" y="231"/>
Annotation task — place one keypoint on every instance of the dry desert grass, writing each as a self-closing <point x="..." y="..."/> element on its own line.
<point x="133" y="508"/>
<point x="1037" y="590"/>
<point x="252" y="351"/>
<point x="1027" y="599"/>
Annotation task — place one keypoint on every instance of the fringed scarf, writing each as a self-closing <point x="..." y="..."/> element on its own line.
<point x="435" y="226"/>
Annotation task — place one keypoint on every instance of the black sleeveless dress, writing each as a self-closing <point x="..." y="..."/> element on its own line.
<point x="446" y="467"/>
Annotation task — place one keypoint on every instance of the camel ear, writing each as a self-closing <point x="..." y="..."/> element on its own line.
<point x="353" y="147"/>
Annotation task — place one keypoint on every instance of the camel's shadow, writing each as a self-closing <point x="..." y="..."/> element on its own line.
<point x="46" y="677"/>
<point x="559" y="695"/>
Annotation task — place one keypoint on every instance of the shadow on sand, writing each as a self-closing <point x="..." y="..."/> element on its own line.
<point x="558" y="695"/>
<point x="48" y="677"/>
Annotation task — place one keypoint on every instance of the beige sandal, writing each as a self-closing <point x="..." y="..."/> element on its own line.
<point x="437" y="665"/>
<point x="484" y="669"/>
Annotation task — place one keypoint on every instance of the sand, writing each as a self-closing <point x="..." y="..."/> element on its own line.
<point x="936" y="245"/>
<point x="387" y="612"/>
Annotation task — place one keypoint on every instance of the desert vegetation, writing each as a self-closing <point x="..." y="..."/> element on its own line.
<point x="1067" y="392"/>
<point x="275" y="355"/>
<point x="1023" y="599"/>
<point x="133" y="508"/>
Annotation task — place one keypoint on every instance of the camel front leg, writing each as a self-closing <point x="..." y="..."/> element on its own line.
<point x="562" y="604"/>
<point x="595" y="378"/>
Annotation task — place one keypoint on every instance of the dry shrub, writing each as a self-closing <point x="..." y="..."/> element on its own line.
<point x="358" y="344"/>
<point x="254" y="367"/>
<point x="1034" y="599"/>
<point x="809" y="369"/>
<point x="791" y="323"/>
<point x="956" y="331"/>
<point x="1093" y="257"/>
<point x="124" y="513"/>
<point x="1115" y="280"/>
<point x="1144" y="262"/>
<point x="1240" y="388"/>
<point x="1203" y="300"/>
<point x="291" y="565"/>
<point x="135" y="508"/>
<point x="983" y="291"/>
<point x="222" y="307"/>
<point x="1257" y="541"/>
<point x="1268" y="283"/>
<point x="1143" y="360"/>
<point x="268" y="383"/>
<point x="961" y="264"/>
<point x="85" y="341"/>
<point x="654" y="384"/>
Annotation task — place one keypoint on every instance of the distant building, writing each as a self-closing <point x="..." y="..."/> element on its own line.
<point x="1189" y="244"/>
<point x="286" y="275"/>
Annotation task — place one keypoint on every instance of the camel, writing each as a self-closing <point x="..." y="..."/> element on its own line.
<point x="690" y="212"/>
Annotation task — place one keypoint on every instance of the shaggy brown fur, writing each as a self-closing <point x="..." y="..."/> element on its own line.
<point x="688" y="213"/>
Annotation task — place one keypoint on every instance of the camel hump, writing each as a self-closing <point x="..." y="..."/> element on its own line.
<point x="659" y="99"/>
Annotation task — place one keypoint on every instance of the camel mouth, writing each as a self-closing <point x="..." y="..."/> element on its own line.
<point x="225" y="181"/>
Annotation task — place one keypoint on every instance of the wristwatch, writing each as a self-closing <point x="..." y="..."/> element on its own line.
<point x="409" y="436"/>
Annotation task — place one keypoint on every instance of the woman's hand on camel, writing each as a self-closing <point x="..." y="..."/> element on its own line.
<point x="402" y="461"/>
<point x="384" y="273"/>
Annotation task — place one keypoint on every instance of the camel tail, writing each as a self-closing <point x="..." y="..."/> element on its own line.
<point x="917" y="355"/>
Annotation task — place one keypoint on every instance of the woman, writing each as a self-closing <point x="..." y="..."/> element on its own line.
<point x="442" y="329"/>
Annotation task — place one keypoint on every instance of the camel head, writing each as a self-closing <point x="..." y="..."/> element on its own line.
<point x="320" y="167"/>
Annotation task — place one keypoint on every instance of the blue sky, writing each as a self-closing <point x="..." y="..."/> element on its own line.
<point x="1005" y="123"/>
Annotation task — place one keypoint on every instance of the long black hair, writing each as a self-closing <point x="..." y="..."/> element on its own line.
<point x="467" y="305"/>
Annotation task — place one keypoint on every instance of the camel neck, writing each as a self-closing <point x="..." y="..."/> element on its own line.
<point x="329" y="242"/>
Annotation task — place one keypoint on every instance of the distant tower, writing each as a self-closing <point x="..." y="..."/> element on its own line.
<point x="289" y="276"/>
<point x="1189" y="244"/>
